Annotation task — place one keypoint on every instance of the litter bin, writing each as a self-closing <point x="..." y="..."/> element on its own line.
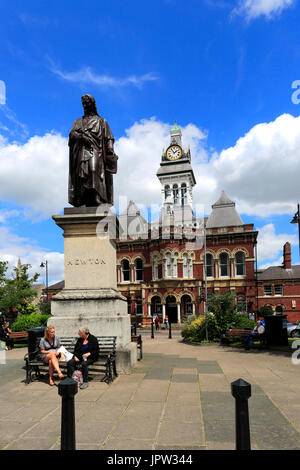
<point x="276" y="330"/>
<point x="34" y="336"/>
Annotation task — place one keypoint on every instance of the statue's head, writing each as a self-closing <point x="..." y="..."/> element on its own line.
<point x="89" y="105"/>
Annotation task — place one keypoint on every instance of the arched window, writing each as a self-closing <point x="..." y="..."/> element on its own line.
<point x="209" y="265"/>
<point x="176" y="193"/>
<point x="139" y="270"/>
<point x="186" y="306"/>
<point x="241" y="305"/>
<point x="224" y="264"/>
<point x="125" y="267"/>
<point x="155" y="267"/>
<point x="239" y="261"/>
<point x="175" y="270"/>
<point x="138" y="306"/>
<point x="167" y="192"/>
<point x="183" y="194"/>
<point x="185" y="266"/>
<point x="190" y="265"/>
<point x="168" y="265"/>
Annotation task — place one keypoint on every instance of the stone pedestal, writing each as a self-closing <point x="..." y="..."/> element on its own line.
<point x="90" y="297"/>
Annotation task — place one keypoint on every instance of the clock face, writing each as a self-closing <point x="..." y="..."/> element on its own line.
<point x="174" y="152"/>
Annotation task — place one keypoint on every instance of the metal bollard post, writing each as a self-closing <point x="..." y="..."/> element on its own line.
<point x="241" y="391"/>
<point x="67" y="389"/>
<point x="135" y="328"/>
<point x="152" y="328"/>
<point x="170" y="330"/>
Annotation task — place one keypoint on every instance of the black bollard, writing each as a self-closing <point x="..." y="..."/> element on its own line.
<point x="170" y="330"/>
<point x="135" y="328"/>
<point x="241" y="391"/>
<point x="67" y="389"/>
<point x="152" y="328"/>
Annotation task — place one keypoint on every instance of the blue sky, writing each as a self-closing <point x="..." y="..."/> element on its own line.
<point x="223" y="69"/>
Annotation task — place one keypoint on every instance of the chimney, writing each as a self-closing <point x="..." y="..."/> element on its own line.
<point x="287" y="258"/>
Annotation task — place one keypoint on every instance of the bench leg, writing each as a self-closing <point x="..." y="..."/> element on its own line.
<point x="115" y="368"/>
<point x="28" y="373"/>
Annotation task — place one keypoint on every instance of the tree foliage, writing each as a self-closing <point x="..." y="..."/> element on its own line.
<point x="17" y="288"/>
<point x="223" y="315"/>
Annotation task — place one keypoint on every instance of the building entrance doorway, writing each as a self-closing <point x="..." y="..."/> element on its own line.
<point x="156" y="307"/>
<point x="171" y="309"/>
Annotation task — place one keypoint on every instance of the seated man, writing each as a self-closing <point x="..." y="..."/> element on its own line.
<point x="259" y="329"/>
<point x="86" y="352"/>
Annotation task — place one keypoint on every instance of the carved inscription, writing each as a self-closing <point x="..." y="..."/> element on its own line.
<point x="85" y="262"/>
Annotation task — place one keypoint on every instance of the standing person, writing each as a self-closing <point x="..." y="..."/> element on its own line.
<point x="166" y="322"/>
<point x="156" y="322"/>
<point x="49" y="354"/>
<point x="4" y="335"/>
<point x="86" y="352"/>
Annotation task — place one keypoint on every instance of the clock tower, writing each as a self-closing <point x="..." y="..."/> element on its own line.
<point x="176" y="174"/>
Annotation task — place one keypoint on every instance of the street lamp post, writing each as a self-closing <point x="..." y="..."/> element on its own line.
<point x="45" y="265"/>
<point x="205" y="283"/>
<point x="296" y="220"/>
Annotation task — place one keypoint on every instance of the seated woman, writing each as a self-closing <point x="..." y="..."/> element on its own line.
<point x="86" y="352"/>
<point x="49" y="354"/>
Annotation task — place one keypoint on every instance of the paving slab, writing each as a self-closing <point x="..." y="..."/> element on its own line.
<point x="177" y="398"/>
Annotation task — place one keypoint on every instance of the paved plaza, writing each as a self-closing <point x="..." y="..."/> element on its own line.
<point x="177" y="397"/>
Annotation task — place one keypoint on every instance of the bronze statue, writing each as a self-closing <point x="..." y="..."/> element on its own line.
<point x="92" y="160"/>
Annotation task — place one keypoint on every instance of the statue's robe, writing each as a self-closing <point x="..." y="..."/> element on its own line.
<point x="92" y="164"/>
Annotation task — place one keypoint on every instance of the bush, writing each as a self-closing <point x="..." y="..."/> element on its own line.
<point x="224" y="309"/>
<point x="244" y="322"/>
<point x="195" y="331"/>
<point x="45" y="308"/>
<point x="24" y="322"/>
<point x="27" y="309"/>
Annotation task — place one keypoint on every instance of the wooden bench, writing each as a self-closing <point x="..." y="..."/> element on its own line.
<point x="138" y="339"/>
<point x="19" y="335"/>
<point x="241" y="334"/>
<point x="106" y="363"/>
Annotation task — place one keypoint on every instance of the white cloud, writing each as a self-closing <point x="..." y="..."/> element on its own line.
<point x="140" y="156"/>
<point x="86" y="76"/>
<point x="270" y="245"/>
<point x="254" y="8"/>
<point x="12" y="247"/>
<point x="261" y="171"/>
<point x="35" y="174"/>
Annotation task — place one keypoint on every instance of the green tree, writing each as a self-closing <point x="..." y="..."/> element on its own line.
<point x="16" y="289"/>
<point x="265" y="310"/>
<point x="224" y="309"/>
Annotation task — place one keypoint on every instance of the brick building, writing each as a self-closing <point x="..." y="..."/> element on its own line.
<point x="279" y="287"/>
<point x="160" y="264"/>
